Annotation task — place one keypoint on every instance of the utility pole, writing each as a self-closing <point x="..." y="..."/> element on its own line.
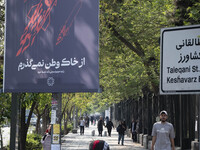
<point x="56" y="109"/>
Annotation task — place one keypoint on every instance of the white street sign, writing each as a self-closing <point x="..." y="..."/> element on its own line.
<point x="180" y="60"/>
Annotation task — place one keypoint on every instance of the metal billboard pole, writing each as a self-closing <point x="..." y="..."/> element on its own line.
<point x="14" y="118"/>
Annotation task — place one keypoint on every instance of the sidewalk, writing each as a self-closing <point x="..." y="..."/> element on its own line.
<point x="81" y="142"/>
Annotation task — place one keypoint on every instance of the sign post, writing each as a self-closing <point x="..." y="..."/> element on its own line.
<point x="180" y="62"/>
<point x="56" y="110"/>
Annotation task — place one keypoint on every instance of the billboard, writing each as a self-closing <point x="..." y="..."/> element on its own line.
<point x="51" y="46"/>
<point x="180" y="60"/>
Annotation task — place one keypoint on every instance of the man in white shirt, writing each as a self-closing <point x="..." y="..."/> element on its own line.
<point x="163" y="134"/>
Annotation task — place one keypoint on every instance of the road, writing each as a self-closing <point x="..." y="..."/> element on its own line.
<point x="6" y="135"/>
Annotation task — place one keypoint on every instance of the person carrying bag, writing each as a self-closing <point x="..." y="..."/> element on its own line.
<point x="46" y="139"/>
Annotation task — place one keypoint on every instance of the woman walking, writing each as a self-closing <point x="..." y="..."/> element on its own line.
<point x="82" y="125"/>
<point x="100" y="125"/>
<point x="109" y="127"/>
<point x="121" y="130"/>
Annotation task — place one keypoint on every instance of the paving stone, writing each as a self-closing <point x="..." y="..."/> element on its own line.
<point x="76" y="141"/>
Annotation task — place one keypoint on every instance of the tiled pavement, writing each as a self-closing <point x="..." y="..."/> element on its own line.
<point x="81" y="142"/>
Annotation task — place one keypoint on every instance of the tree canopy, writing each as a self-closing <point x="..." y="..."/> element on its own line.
<point x="129" y="46"/>
<point x="2" y="20"/>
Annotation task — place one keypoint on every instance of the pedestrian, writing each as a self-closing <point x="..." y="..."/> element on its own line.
<point x="94" y="122"/>
<point x="109" y="126"/>
<point x="92" y="119"/>
<point x="82" y="125"/>
<point x="100" y="125"/>
<point x="87" y="121"/>
<point x="121" y="130"/>
<point x="163" y="134"/>
<point x="134" y="130"/>
<point x="46" y="139"/>
<point x="99" y="145"/>
<point x="107" y="119"/>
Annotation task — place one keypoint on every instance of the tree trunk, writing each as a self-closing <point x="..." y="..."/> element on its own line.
<point x="39" y="115"/>
<point x="38" y="129"/>
<point x="44" y="123"/>
<point x="45" y="120"/>
<point x="65" y="127"/>
<point x="24" y="126"/>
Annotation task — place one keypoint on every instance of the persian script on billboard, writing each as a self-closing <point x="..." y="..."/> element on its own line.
<point x="52" y="46"/>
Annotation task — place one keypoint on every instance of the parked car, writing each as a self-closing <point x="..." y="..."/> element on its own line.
<point x="33" y="121"/>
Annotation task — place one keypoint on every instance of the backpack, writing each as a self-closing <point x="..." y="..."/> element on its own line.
<point x="118" y="128"/>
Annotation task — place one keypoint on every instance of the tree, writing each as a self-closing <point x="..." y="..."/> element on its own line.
<point x="70" y="101"/>
<point x="43" y="104"/>
<point x="26" y="100"/>
<point x="2" y="20"/>
<point x="67" y="106"/>
<point x="183" y="12"/>
<point x="193" y="13"/>
<point x="5" y="98"/>
<point x="129" y="40"/>
<point x="5" y="107"/>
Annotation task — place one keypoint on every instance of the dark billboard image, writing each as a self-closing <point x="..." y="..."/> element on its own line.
<point x="52" y="46"/>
